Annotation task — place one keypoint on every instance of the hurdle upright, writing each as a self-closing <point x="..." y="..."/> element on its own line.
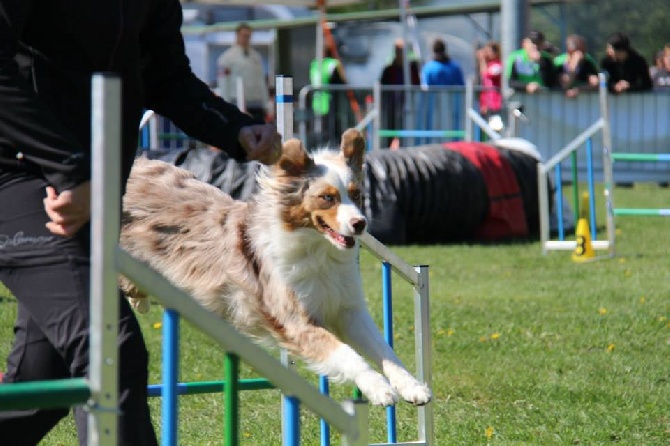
<point x="544" y="169"/>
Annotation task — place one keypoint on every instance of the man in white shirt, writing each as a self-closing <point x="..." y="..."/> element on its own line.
<point x="241" y="61"/>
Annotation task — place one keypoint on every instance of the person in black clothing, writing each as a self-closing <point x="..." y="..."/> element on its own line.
<point x="394" y="101"/>
<point x="627" y="70"/>
<point x="48" y="53"/>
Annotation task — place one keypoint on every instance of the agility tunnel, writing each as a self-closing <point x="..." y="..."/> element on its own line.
<point x="437" y="193"/>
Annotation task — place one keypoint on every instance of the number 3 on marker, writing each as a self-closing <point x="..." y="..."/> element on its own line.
<point x="581" y="245"/>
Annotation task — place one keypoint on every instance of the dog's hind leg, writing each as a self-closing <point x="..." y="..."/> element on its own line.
<point x="359" y="330"/>
<point x="327" y="355"/>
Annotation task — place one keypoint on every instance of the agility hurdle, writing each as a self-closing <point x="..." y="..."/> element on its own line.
<point x="108" y="260"/>
<point x="544" y="169"/>
<point x="644" y="158"/>
<point x="170" y="388"/>
<point x="100" y="391"/>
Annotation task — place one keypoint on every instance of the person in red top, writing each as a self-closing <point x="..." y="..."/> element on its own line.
<point x="490" y="73"/>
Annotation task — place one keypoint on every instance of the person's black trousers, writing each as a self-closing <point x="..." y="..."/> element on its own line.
<point x="49" y="276"/>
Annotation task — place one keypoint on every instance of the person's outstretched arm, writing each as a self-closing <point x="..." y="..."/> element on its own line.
<point x="173" y="91"/>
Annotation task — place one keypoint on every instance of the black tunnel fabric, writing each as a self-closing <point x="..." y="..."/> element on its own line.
<point x="419" y="195"/>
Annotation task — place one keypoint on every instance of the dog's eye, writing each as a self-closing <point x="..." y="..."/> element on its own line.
<point x="329" y="198"/>
<point x="355" y="195"/>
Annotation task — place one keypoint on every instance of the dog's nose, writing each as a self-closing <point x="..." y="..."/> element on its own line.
<point x="358" y="224"/>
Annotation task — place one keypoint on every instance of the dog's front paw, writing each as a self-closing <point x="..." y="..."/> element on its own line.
<point x="376" y="389"/>
<point x="415" y="392"/>
<point x="141" y="305"/>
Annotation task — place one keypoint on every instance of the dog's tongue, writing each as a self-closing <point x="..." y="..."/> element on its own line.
<point x="343" y="240"/>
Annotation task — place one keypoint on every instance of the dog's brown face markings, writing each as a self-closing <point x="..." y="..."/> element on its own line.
<point x="312" y="199"/>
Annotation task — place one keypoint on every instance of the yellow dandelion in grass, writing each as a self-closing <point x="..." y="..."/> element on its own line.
<point x="157" y="325"/>
<point x="448" y="332"/>
<point x="627" y="273"/>
<point x="610" y="348"/>
<point x="247" y="435"/>
<point x="495" y="336"/>
<point x="642" y="299"/>
<point x="602" y="311"/>
<point x="489" y="432"/>
<point x="662" y="318"/>
<point x="622" y="260"/>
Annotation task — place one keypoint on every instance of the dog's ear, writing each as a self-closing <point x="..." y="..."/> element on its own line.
<point x="294" y="160"/>
<point x="353" y="148"/>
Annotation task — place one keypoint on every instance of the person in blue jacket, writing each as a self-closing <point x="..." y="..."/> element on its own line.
<point x="441" y="69"/>
<point x="49" y="51"/>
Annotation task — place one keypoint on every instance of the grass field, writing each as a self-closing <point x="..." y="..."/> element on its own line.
<point x="527" y="349"/>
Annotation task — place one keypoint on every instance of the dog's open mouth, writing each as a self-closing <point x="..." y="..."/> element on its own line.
<point x="340" y="240"/>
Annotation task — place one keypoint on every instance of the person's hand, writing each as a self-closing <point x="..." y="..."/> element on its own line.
<point x="534" y="53"/>
<point x="572" y="92"/>
<point x="621" y="86"/>
<point x="69" y="210"/>
<point x="261" y="142"/>
<point x="532" y="87"/>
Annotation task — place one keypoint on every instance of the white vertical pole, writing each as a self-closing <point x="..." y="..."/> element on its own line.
<point x="608" y="174"/>
<point x="153" y="133"/>
<point x="239" y="90"/>
<point x="290" y="405"/>
<point x="423" y="348"/>
<point x="105" y="213"/>
<point x="284" y="100"/>
<point x="377" y="99"/>
<point x="543" y="200"/>
<point x="469" y="102"/>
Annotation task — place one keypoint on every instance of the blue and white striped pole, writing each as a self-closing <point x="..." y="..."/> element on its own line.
<point x="290" y="404"/>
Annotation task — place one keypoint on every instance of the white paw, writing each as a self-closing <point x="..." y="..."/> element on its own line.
<point x="376" y="389"/>
<point x="140" y="305"/>
<point x="415" y="392"/>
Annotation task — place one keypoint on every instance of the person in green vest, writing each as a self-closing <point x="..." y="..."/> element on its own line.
<point x="577" y="70"/>
<point x="322" y="73"/>
<point x="530" y="68"/>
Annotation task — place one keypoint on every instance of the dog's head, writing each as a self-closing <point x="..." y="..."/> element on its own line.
<point x="323" y="192"/>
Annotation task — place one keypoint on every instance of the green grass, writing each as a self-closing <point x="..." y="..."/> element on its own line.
<point x="529" y="349"/>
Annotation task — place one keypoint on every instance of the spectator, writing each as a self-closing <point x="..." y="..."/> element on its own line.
<point x="325" y="105"/>
<point x="394" y="101"/>
<point x="656" y="63"/>
<point x="530" y="68"/>
<point x="45" y="169"/>
<point x="627" y="70"/>
<point x="241" y="61"/>
<point x="442" y="69"/>
<point x="577" y="70"/>
<point x="660" y="72"/>
<point x="490" y="73"/>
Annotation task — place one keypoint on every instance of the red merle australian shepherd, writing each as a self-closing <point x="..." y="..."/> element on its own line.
<point x="282" y="266"/>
